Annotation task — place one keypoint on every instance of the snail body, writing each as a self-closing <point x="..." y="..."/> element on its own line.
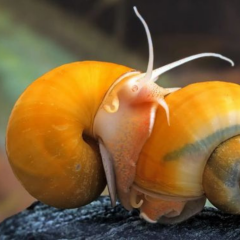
<point x="87" y="123"/>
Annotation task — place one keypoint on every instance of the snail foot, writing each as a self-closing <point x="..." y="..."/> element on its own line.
<point x="153" y="209"/>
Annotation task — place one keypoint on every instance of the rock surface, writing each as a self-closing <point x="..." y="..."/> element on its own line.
<point x="99" y="221"/>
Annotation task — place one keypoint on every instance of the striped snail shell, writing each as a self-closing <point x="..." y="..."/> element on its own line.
<point x="195" y="157"/>
<point x="86" y="123"/>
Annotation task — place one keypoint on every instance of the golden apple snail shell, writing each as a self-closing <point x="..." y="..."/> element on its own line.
<point x="49" y="136"/>
<point x="176" y="162"/>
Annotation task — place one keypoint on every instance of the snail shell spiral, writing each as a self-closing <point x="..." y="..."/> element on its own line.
<point x="50" y="142"/>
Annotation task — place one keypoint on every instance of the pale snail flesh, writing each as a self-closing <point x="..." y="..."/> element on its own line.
<point x="83" y="119"/>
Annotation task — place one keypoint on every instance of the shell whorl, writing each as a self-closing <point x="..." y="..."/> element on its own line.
<point x="49" y="140"/>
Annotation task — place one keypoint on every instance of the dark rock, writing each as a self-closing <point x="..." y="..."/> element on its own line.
<point x="99" y="221"/>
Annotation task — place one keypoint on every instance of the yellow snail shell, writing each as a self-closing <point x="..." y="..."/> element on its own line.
<point x="172" y="164"/>
<point x="84" y="118"/>
<point x="49" y="142"/>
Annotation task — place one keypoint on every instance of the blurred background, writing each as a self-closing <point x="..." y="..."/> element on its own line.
<point x="38" y="35"/>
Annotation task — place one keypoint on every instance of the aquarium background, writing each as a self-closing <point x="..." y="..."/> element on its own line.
<point x="38" y="35"/>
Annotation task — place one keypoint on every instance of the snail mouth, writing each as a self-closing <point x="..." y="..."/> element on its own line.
<point x="157" y="206"/>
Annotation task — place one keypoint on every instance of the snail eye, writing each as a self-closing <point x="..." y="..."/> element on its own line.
<point x="135" y="88"/>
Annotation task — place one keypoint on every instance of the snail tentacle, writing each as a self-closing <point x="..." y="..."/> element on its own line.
<point x="159" y="71"/>
<point x="170" y="90"/>
<point x="148" y="75"/>
<point x="165" y="107"/>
